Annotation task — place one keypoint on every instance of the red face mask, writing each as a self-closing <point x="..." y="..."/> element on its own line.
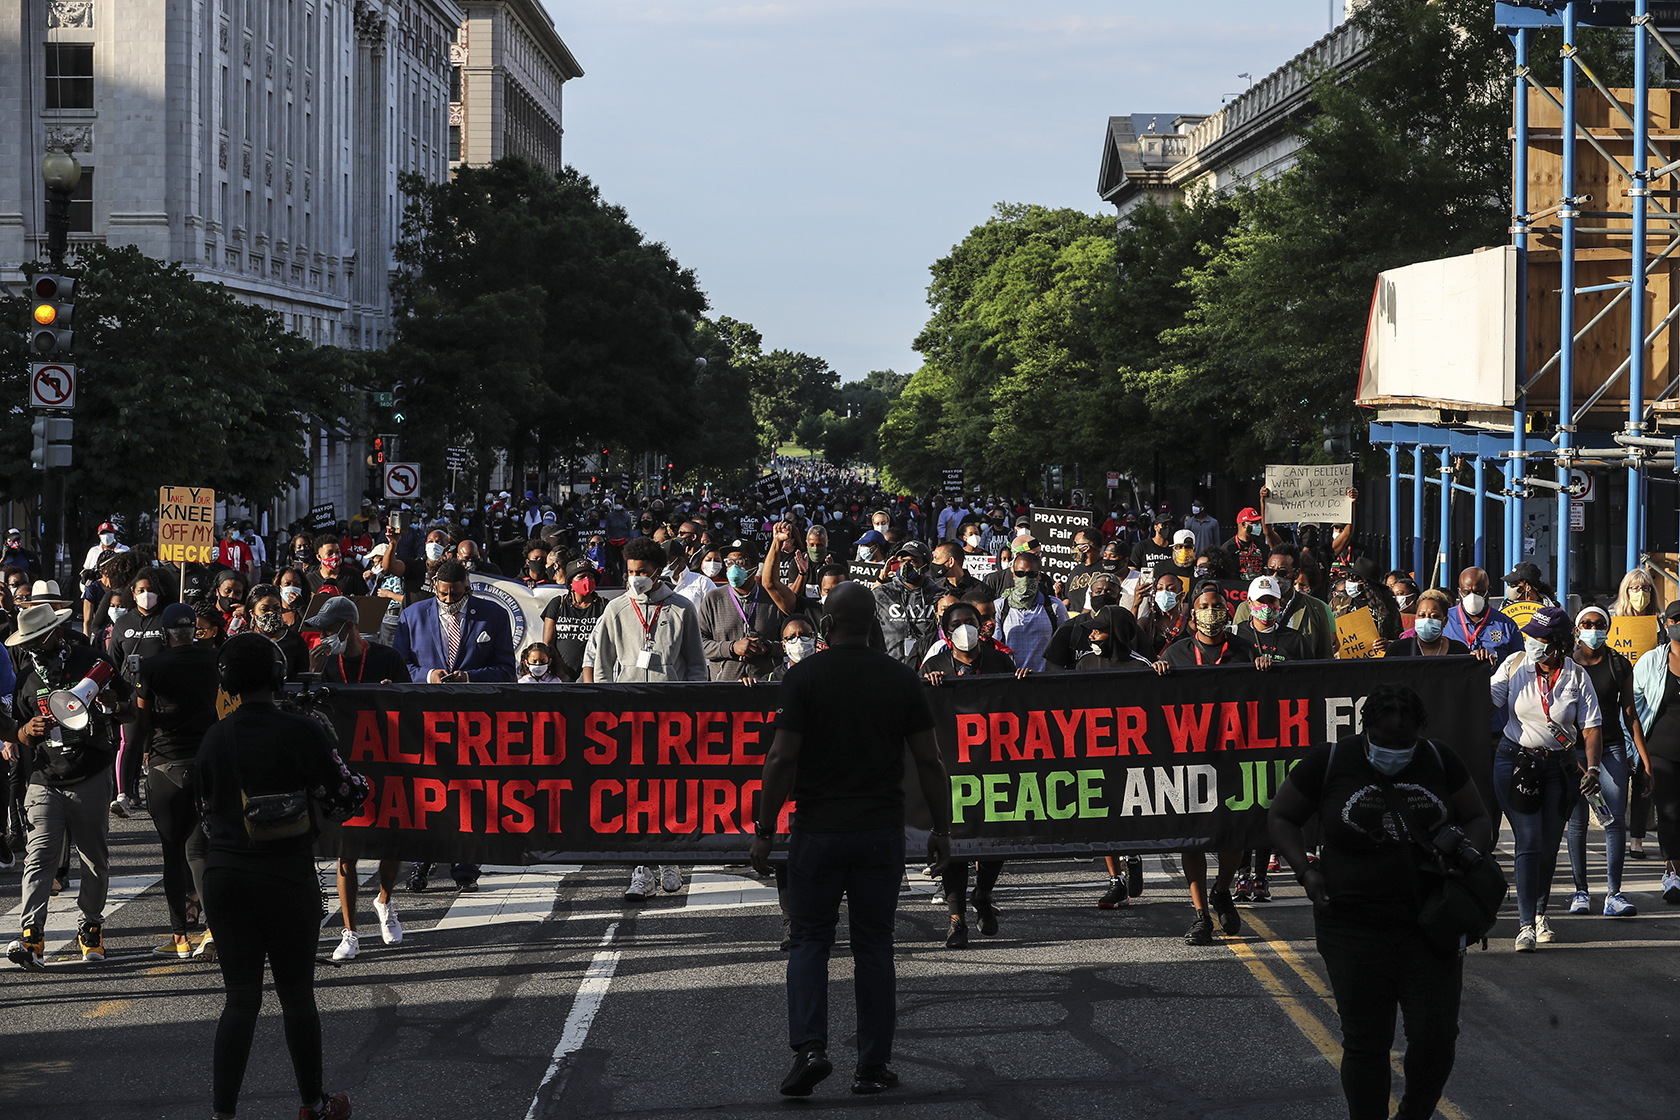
<point x="330" y="563"/>
<point x="583" y="587"/>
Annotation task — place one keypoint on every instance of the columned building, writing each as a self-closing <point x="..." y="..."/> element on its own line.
<point x="508" y="67"/>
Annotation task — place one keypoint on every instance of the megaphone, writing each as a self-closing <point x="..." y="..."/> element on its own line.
<point x="69" y="706"/>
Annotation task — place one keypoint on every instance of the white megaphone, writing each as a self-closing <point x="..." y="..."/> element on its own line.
<point x="69" y="706"/>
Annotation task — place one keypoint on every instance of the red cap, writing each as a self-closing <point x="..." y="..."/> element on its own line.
<point x="107" y="527"/>
<point x="1247" y="515"/>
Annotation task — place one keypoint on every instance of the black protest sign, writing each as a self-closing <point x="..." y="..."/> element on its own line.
<point x="1054" y="530"/>
<point x="772" y="492"/>
<point x="1058" y="763"/>
<point x="322" y="517"/>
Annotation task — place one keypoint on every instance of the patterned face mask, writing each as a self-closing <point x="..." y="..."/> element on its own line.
<point x="1211" y="620"/>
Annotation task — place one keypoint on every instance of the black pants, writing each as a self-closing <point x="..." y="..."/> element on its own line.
<point x="172" y="801"/>
<point x="129" y="760"/>
<point x="955" y="880"/>
<point x="257" y="917"/>
<point x="1665" y="796"/>
<point x="1375" y="970"/>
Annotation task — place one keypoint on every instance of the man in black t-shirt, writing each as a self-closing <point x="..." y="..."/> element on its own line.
<point x="1156" y="548"/>
<point x="846" y="716"/>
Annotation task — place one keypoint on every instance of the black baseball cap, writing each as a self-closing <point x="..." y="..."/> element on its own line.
<point x="1524" y="572"/>
<point x="178" y="616"/>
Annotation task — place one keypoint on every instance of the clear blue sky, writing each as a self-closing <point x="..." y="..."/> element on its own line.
<point x="809" y="159"/>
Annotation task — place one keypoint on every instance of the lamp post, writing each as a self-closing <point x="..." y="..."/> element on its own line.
<point x="62" y="173"/>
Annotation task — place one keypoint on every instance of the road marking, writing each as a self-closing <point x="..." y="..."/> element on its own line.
<point x="109" y="1007"/>
<point x="715" y="892"/>
<point x="1293" y="959"/>
<point x="590" y="993"/>
<point x="527" y="896"/>
<point x="63" y="916"/>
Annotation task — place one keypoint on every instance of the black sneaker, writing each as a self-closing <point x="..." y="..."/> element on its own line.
<point x="6" y="856"/>
<point x="958" y="937"/>
<point x="422" y="875"/>
<point x="1262" y="891"/>
<point x="1201" y="930"/>
<point x="1134" y="876"/>
<point x="466" y="886"/>
<point x="787" y="933"/>
<point x="1219" y="901"/>
<point x="874" y="1079"/>
<point x="1115" y="897"/>
<point x="987" y="913"/>
<point x="809" y="1069"/>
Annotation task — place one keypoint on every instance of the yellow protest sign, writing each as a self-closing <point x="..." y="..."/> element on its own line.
<point x="1356" y="632"/>
<point x="1520" y="613"/>
<point x="186" y="525"/>
<point x="1635" y="636"/>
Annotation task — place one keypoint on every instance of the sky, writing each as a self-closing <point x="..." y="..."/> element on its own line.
<point x="811" y="159"/>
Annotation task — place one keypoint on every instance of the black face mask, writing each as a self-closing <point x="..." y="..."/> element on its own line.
<point x="1098" y="602"/>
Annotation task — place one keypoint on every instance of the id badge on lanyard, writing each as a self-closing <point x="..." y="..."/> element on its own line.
<point x="1562" y="738"/>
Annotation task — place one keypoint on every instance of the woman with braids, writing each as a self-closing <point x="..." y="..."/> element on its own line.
<point x="1364" y="909"/>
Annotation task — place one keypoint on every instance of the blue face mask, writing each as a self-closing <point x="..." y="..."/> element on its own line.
<point x="1428" y="629"/>
<point x="1166" y="600"/>
<point x="1594" y="639"/>
<point x="739" y="576"/>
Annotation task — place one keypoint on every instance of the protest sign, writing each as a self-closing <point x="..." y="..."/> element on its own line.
<point x="322" y="517"/>
<point x="772" y="491"/>
<point x="1309" y="493"/>
<point x="979" y="564"/>
<point x="1634" y="636"/>
<point x="1054" y="529"/>
<point x="1061" y="763"/>
<point x="186" y="525"/>
<point x="1520" y="612"/>
<point x="1357" y="633"/>
<point x="951" y="480"/>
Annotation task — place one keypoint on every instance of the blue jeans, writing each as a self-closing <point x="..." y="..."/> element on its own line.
<point x="866" y="868"/>
<point x="1535" y="836"/>
<point x="1613" y="778"/>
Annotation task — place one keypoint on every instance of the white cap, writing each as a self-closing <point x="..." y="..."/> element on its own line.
<point x="1184" y="536"/>
<point x="1262" y="586"/>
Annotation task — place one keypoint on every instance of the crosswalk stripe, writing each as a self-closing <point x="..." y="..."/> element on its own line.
<point x="527" y="896"/>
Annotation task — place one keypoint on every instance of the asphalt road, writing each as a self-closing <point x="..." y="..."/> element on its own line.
<point x="545" y="996"/>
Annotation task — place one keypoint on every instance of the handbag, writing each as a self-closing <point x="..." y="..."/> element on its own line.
<point x="1526" y="782"/>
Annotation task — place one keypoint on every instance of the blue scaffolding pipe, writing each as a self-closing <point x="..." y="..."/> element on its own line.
<point x="1480" y="521"/>
<point x="1442" y="556"/>
<point x="1635" y="511"/>
<point x="1417" y="511"/>
<point x="1393" y="506"/>
<point x="1566" y="316"/>
<point x="1519" y="201"/>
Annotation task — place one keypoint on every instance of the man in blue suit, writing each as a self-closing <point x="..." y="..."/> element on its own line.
<point x="451" y="639"/>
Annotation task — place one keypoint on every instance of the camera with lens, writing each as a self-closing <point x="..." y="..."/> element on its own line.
<point x="1455" y="850"/>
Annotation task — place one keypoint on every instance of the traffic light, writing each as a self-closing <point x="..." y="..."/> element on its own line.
<point x="52" y="443"/>
<point x="381" y="450"/>
<point x="51" y="312"/>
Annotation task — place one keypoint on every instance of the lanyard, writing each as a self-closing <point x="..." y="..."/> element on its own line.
<point x="736" y="599"/>
<point x="1222" y="648"/>
<point x="647" y="624"/>
<point x="361" y="669"/>
<point x="1546" y="693"/>
<point x="1471" y="636"/>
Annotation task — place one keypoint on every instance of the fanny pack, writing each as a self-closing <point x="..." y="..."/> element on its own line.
<point x="272" y="817"/>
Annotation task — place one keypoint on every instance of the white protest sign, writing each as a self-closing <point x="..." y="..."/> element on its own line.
<point x="1309" y="493"/>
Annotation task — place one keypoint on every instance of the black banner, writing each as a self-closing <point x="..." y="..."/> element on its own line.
<point x="1056" y="763"/>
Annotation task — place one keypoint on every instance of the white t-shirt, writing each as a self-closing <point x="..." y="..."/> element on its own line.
<point x="1573" y="702"/>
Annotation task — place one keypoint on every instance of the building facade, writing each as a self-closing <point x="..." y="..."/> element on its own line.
<point x="508" y="67"/>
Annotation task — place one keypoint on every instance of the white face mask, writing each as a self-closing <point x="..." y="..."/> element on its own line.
<point x="146" y="600"/>
<point x="712" y="568"/>
<point x="107" y="539"/>
<point x="1534" y="647"/>
<point x="1354" y="588"/>
<point x="641" y="585"/>
<point x="1196" y="509"/>
<point x="288" y="594"/>
<point x="334" y="645"/>
<point x="538" y="669"/>
<point x="434" y="550"/>
<point x="966" y="637"/>
<point x="1389" y="761"/>
<point x="1405" y="601"/>
<point x="798" y="649"/>
<point x="1474" y="604"/>
<point x="452" y="608"/>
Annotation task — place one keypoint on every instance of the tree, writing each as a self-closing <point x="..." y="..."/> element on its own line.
<point x="787" y="387"/>
<point x="179" y="384"/>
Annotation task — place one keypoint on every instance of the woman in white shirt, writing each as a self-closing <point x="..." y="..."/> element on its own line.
<point x="1548" y="702"/>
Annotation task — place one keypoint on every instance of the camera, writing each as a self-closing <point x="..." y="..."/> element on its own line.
<point x="1458" y="852"/>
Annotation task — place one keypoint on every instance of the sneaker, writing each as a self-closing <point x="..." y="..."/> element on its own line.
<point x="787" y="933"/>
<point x="1525" y="939"/>
<point x="1543" y="930"/>
<point x="938" y="896"/>
<point x="418" y="880"/>
<point x="122" y="806"/>
<point x="958" y="937"/>
<point x="1219" y="901"/>
<point x="1260" y="891"/>
<point x="466" y="886"/>
<point x="1615" y="906"/>
<point x="1116" y="896"/>
<point x="205" y="950"/>
<point x="1200" y="931"/>
<point x="390" y="929"/>
<point x="640" y="884"/>
<point x="1240" y="891"/>
<point x="1670" y="888"/>
<point x="90" y="936"/>
<point x="58" y="886"/>
<point x="6" y="856"/>
<point x="1274" y="864"/>
<point x="1134" y="876"/>
<point x="174" y="950"/>
<point x="335" y="1107"/>
<point x="670" y="879"/>
<point x="987" y="913"/>
<point x="809" y="1069"/>
<point x="874" y="1079"/>
<point x="29" y="950"/>
<point x="1581" y="903"/>
<point x="348" y="946"/>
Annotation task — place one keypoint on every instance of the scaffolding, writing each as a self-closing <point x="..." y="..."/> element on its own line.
<point x="1597" y="300"/>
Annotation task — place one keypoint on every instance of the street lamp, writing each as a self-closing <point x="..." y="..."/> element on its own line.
<point x="62" y="173"/>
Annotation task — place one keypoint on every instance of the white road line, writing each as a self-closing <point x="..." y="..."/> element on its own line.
<point x="62" y="915"/>
<point x="590" y="993"/>
<point x="710" y="892"/>
<point x="527" y="896"/>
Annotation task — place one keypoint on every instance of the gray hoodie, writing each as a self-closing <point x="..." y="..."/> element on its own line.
<point x="619" y="640"/>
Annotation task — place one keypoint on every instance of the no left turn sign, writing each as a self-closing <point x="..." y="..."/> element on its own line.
<point x="52" y="385"/>
<point x="402" y="480"/>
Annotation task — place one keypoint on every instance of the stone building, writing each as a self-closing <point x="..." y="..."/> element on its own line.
<point x="508" y="65"/>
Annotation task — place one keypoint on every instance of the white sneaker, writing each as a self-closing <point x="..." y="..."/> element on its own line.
<point x="122" y="806"/>
<point x="670" y="879"/>
<point x="1671" y="888"/>
<point x="1543" y="930"/>
<point x="347" y="946"/>
<point x="1525" y="939"/>
<point x="1581" y="903"/>
<point x="389" y="927"/>
<point x="640" y="884"/>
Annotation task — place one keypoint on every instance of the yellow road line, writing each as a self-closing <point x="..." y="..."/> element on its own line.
<point x="1293" y="960"/>
<point x="109" y="1007"/>
<point x="1308" y="1023"/>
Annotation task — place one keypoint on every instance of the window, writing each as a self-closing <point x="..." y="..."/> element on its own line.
<point x="81" y="204"/>
<point x="455" y="83"/>
<point x="69" y="75"/>
<point x="455" y="142"/>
